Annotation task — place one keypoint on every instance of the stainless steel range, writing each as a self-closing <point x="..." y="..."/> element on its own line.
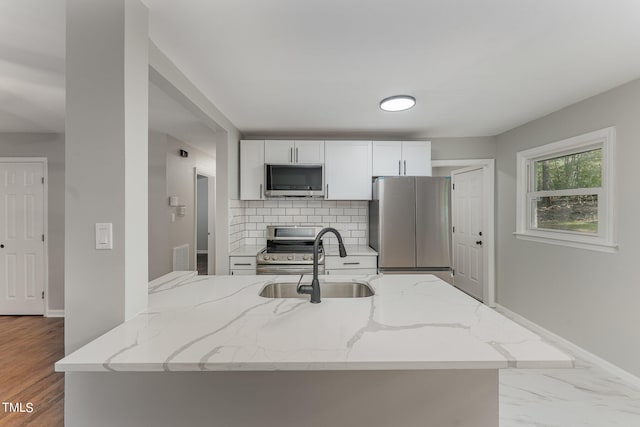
<point x="289" y="251"/>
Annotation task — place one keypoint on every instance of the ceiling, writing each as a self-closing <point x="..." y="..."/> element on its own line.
<point x="312" y="67"/>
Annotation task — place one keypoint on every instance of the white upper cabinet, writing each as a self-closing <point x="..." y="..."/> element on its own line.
<point x="387" y="158"/>
<point x="291" y="152"/>
<point x="278" y="151"/>
<point x="416" y="158"/>
<point x="396" y="158"/>
<point x="348" y="170"/>
<point x="251" y="170"/>
<point x="309" y="152"/>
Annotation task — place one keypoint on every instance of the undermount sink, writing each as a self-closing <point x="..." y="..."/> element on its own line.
<point x="327" y="290"/>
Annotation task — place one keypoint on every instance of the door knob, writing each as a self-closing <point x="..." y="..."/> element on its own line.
<point x="479" y="242"/>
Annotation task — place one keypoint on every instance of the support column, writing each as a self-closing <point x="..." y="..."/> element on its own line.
<point x="106" y="165"/>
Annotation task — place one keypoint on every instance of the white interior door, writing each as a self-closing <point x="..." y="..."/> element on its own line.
<point x="468" y="223"/>
<point x="21" y="238"/>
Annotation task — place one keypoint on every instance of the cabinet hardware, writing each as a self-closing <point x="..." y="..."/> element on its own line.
<point x="350" y="263"/>
<point x="297" y="155"/>
<point x="261" y="191"/>
<point x="291" y="155"/>
<point x="242" y="263"/>
<point x="42" y="294"/>
<point x="405" y="168"/>
<point x="479" y="242"/>
<point x="399" y="167"/>
<point x="327" y="196"/>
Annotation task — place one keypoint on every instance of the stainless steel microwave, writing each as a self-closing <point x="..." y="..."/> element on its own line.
<point x="286" y="180"/>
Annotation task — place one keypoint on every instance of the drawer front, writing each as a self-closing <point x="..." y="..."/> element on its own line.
<point x="352" y="272"/>
<point x="242" y="263"/>
<point x="351" y="262"/>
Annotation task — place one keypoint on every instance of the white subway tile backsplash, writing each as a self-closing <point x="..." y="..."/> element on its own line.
<point x="249" y="219"/>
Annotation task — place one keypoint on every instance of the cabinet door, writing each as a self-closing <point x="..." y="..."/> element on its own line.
<point x="309" y="152"/>
<point x="278" y="152"/>
<point x="416" y="158"/>
<point x="387" y="158"/>
<point x="251" y="170"/>
<point x="347" y="170"/>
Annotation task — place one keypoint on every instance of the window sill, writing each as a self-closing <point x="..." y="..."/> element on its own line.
<point x="562" y="241"/>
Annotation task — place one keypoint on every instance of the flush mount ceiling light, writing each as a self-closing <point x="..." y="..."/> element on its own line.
<point x="397" y="103"/>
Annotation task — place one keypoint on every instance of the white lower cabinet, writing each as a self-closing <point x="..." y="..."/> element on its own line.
<point x="242" y="265"/>
<point x="351" y="265"/>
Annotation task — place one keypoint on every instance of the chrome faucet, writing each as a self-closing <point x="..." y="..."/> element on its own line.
<point x="314" y="288"/>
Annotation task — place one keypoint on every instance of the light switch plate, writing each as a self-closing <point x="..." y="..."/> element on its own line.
<point x="104" y="235"/>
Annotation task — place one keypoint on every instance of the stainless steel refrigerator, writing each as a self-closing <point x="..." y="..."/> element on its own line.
<point x="410" y="225"/>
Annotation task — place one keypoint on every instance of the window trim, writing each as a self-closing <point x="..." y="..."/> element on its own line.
<point x="604" y="240"/>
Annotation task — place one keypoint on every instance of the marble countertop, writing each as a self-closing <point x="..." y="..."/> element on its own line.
<point x="351" y="250"/>
<point x="247" y="250"/>
<point x="219" y="323"/>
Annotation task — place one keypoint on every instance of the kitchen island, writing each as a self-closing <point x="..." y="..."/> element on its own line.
<point x="211" y="351"/>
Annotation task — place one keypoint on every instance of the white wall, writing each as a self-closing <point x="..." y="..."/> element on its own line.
<point x="51" y="146"/>
<point x="172" y="175"/>
<point x="590" y="298"/>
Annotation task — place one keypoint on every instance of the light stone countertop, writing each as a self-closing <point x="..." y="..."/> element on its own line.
<point x="219" y="323"/>
<point x="247" y="250"/>
<point x="351" y="250"/>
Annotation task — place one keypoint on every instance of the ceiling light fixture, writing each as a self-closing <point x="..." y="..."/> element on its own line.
<point x="397" y="103"/>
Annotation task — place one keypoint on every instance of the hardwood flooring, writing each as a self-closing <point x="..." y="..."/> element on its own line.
<point x="29" y="346"/>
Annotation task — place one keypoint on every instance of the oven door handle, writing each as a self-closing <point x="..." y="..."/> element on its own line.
<point x="275" y="270"/>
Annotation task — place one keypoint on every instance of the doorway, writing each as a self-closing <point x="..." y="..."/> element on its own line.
<point x="22" y="236"/>
<point x="205" y="223"/>
<point x="473" y="218"/>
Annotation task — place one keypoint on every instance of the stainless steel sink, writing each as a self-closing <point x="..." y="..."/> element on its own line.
<point x="327" y="290"/>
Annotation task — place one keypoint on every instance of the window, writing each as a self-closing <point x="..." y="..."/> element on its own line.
<point x="565" y="192"/>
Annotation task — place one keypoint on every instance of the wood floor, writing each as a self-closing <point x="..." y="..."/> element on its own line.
<point x="29" y="346"/>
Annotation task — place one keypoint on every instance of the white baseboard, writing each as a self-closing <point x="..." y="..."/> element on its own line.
<point x="577" y="350"/>
<point x="54" y="313"/>
<point x="202" y="251"/>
